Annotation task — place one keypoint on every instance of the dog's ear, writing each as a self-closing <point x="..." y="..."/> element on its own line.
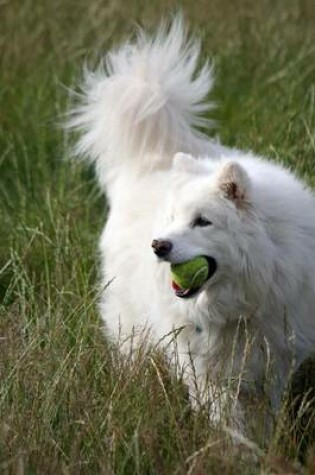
<point x="186" y="163"/>
<point x="234" y="182"/>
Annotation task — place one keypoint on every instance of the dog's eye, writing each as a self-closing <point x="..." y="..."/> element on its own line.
<point x="200" y="221"/>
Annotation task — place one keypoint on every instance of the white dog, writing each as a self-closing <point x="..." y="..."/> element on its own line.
<point x="252" y="218"/>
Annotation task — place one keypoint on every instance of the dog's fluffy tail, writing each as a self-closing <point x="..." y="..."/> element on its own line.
<point x="146" y="102"/>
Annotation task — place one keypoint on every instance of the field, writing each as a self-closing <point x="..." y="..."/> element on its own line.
<point x="68" y="403"/>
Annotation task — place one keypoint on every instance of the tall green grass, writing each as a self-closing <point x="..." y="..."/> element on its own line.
<point x="68" y="402"/>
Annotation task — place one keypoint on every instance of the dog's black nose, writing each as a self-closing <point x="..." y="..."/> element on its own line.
<point x="161" y="248"/>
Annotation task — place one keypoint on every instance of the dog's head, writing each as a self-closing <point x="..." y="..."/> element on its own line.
<point x="211" y="212"/>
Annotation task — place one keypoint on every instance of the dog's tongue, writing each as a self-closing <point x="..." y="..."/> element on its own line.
<point x="179" y="290"/>
<point x="175" y="286"/>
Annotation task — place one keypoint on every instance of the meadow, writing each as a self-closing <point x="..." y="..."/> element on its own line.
<point x="68" y="403"/>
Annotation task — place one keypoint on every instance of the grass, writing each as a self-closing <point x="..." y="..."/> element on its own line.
<point x="68" y="403"/>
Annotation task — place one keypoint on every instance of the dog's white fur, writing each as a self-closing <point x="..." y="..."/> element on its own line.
<point x="143" y="106"/>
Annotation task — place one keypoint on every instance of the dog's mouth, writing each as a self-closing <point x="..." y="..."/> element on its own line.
<point x="184" y="293"/>
<point x="191" y="292"/>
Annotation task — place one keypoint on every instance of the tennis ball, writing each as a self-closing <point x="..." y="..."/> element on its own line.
<point x="191" y="274"/>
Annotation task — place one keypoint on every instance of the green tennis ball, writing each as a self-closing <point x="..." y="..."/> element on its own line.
<point x="191" y="274"/>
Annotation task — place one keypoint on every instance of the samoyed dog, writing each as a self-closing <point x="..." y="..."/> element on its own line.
<point x="175" y="194"/>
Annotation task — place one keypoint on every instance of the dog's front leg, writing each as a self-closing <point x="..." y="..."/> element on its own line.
<point x="210" y="393"/>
